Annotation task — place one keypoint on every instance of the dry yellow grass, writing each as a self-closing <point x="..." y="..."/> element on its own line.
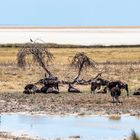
<point x="98" y="54"/>
<point x="13" y="78"/>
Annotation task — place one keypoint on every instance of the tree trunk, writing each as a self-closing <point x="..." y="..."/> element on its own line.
<point x="79" y="72"/>
<point x="47" y="71"/>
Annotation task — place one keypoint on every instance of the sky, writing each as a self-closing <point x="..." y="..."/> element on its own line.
<point x="70" y="12"/>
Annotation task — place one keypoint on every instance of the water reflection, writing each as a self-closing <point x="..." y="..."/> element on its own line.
<point x="95" y="127"/>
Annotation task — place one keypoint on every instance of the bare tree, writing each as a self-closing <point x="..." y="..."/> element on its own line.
<point x="81" y="61"/>
<point x="39" y="52"/>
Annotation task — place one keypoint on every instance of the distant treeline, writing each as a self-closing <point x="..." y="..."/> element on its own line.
<point x="52" y="45"/>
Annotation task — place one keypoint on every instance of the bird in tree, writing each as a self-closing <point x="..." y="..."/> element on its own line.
<point x="39" y="52"/>
<point x="81" y="61"/>
<point x="31" y="40"/>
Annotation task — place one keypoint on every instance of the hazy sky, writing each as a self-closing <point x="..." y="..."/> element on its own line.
<point x="70" y="12"/>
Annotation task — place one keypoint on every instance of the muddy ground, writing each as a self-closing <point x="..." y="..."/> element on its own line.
<point x="8" y="136"/>
<point x="68" y="103"/>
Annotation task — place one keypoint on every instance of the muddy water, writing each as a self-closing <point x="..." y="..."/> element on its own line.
<point x="88" y="128"/>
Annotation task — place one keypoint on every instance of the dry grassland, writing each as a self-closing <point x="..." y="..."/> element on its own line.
<point x="8" y="55"/>
<point x="14" y="79"/>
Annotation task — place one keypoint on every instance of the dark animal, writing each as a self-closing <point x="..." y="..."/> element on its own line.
<point x="51" y="85"/>
<point x="45" y="89"/>
<point x="97" y="83"/>
<point x="137" y="92"/>
<point x="31" y="40"/>
<point x="115" y="93"/>
<point x="53" y="90"/>
<point x="72" y="89"/>
<point x="31" y="89"/>
<point x="115" y="89"/>
<point x="120" y="84"/>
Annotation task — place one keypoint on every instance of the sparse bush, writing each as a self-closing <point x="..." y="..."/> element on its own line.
<point x="134" y="136"/>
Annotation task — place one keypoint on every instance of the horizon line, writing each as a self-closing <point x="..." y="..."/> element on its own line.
<point x="63" y="27"/>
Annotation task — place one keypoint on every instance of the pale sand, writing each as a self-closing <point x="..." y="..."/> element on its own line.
<point x="72" y="35"/>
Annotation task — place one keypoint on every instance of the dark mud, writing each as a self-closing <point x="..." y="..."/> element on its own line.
<point x="68" y="103"/>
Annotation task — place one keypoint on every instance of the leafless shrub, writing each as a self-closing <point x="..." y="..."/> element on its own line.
<point x="39" y="52"/>
<point x="81" y="61"/>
